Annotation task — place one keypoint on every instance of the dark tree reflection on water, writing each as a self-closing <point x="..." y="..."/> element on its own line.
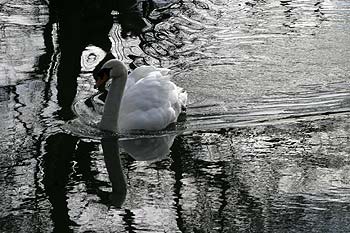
<point x="79" y="23"/>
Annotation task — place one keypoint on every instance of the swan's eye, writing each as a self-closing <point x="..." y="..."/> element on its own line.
<point x="102" y="77"/>
<point x="103" y="72"/>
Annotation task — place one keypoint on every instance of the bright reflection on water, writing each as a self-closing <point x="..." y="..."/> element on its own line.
<point x="264" y="147"/>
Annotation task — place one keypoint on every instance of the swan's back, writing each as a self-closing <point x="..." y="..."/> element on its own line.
<point x="150" y="101"/>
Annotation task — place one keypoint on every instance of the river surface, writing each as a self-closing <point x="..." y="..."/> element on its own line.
<point x="264" y="146"/>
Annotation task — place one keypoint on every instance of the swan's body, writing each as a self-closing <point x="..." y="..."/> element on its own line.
<point x="145" y="99"/>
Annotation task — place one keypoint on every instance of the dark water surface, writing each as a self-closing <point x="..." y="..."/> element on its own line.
<point x="265" y="146"/>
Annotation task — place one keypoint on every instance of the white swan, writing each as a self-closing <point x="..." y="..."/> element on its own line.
<point x="145" y="99"/>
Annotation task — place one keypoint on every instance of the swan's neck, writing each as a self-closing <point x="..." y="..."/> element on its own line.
<point x="109" y="121"/>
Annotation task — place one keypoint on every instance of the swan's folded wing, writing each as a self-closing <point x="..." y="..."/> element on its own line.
<point x="144" y="72"/>
<point x="151" y="104"/>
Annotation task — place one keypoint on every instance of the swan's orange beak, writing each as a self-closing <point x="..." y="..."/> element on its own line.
<point x="101" y="81"/>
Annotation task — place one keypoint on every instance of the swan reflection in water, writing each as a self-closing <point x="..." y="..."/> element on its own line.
<point x="111" y="155"/>
<point x="150" y="148"/>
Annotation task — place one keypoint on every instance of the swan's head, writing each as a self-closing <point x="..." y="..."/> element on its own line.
<point x="111" y="69"/>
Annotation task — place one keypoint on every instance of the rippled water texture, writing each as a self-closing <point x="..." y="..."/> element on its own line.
<point x="264" y="147"/>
